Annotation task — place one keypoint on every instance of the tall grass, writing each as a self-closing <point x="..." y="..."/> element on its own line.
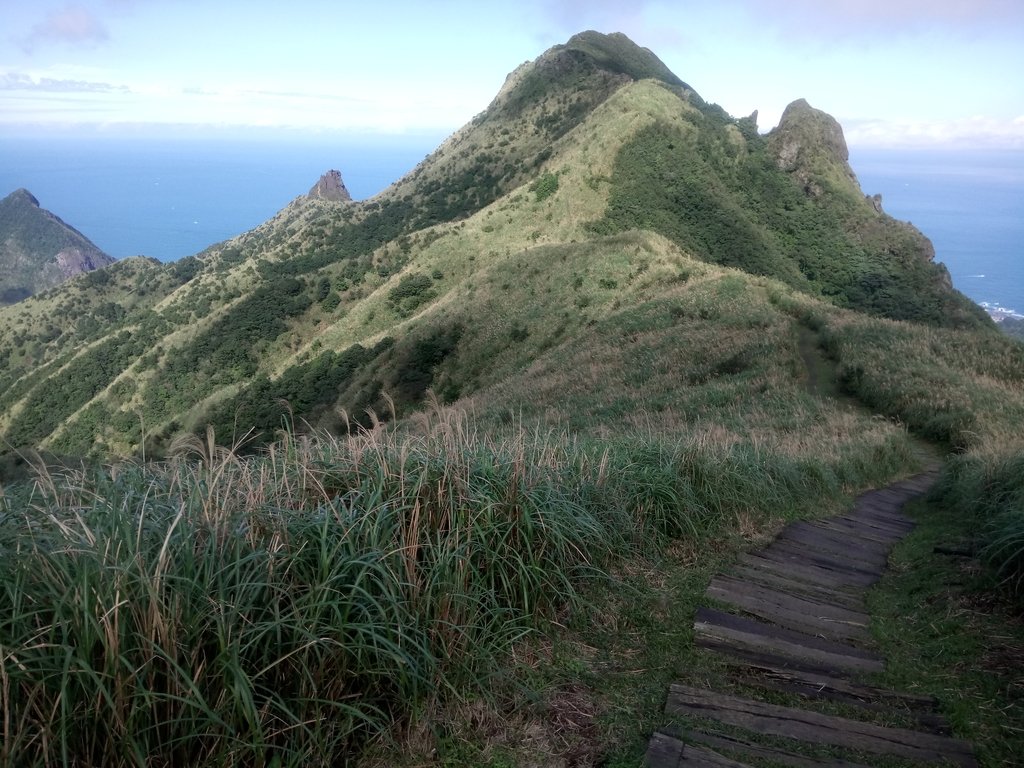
<point x="285" y="608"/>
<point x="990" y="488"/>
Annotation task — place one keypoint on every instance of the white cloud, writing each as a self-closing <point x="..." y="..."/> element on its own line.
<point x="72" y="24"/>
<point x="979" y="132"/>
<point x="19" y="81"/>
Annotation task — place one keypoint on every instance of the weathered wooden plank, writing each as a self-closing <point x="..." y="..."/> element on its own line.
<point x="850" y="558"/>
<point x="821" y="685"/>
<point x="663" y="751"/>
<point x="846" y="537"/>
<point x="882" y="518"/>
<point x="864" y="538"/>
<point x="700" y="757"/>
<point x="791" y="569"/>
<point x="919" y="484"/>
<point x="881" y="521"/>
<point x="816" y="728"/>
<point x="861" y="527"/>
<point x="759" y="751"/>
<point x="667" y="750"/>
<point x="862" y="533"/>
<point x="846" y="562"/>
<point x="872" y="512"/>
<point x="778" y="581"/>
<point x="732" y="650"/>
<point x="758" y="627"/>
<point x="724" y="632"/>
<point x="849" y="549"/>
<point x="791" y="612"/>
<point x="895" y="495"/>
<point x="798" y="681"/>
<point x="824" y="566"/>
<point x="806" y="603"/>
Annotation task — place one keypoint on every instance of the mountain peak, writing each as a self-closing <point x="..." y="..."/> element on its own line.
<point x="615" y="51"/>
<point x="38" y="250"/>
<point x="22" y="196"/>
<point x="802" y="127"/>
<point x="330" y="187"/>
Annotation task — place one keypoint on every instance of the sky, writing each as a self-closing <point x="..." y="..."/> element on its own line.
<point x="899" y="73"/>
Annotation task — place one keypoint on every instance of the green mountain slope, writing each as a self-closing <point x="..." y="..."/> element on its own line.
<point x="38" y="250"/>
<point x="595" y="183"/>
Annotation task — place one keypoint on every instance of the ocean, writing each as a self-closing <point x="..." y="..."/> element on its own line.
<point x="170" y="199"/>
<point x="969" y="203"/>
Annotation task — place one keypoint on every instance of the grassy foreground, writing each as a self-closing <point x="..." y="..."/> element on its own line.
<point x="293" y="607"/>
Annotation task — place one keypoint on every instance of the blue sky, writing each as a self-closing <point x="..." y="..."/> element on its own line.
<point x="894" y="72"/>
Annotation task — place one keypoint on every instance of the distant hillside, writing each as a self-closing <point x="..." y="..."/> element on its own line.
<point x="596" y="189"/>
<point x="38" y="250"/>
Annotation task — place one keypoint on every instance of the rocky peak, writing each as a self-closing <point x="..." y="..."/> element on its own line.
<point x="810" y="143"/>
<point x="801" y="120"/>
<point x="22" y="197"/>
<point x="330" y="187"/>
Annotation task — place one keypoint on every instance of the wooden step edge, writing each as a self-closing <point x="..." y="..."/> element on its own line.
<point x="666" y="750"/>
<point x="817" y="728"/>
<point x="735" y="745"/>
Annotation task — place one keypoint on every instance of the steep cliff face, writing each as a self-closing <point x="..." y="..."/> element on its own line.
<point x="38" y="250"/>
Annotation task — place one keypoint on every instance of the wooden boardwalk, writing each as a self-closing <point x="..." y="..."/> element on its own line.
<point x="795" y="623"/>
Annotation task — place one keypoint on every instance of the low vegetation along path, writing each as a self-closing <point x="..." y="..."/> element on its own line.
<point x="793" y="627"/>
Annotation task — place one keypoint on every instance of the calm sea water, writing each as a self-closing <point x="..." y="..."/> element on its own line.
<point x="971" y="206"/>
<point x="171" y="199"/>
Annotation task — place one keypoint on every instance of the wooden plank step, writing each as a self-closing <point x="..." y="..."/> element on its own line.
<point x="896" y="522"/>
<point x="725" y="632"/>
<point x="887" y="513"/>
<point x="893" y="495"/>
<point x="784" y="583"/>
<point x="735" y="745"/>
<point x="820" y="686"/>
<point x="665" y="750"/>
<point x="847" y="561"/>
<point x="882" y="513"/>
<point x="823" y="565"/>
<point x="845" y="537"/>
<point x="873" y="525"/>
<point x="789" y="568"/>
<point x="919" y="483"/>
<point x="826" y="686"/>
<point x="752" y="655"/>
<point x="846" y="528"/>
<point x="789" y="611"/>
<point x="815" y="728"/>
<point x="822" y="542"/>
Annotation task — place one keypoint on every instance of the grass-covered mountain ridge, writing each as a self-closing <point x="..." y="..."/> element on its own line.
<point x="596" y="183"/>
<point x="38" y="250"/>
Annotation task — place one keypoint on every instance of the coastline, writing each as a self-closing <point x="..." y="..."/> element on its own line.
<point x="999" y="313"/>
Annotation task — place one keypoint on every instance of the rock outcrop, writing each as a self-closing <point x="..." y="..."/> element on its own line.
<point x="330" y="187"/>
<point x="810" y="144"/>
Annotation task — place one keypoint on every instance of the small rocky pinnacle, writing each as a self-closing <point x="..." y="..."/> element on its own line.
<point x="330" y="187"/>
